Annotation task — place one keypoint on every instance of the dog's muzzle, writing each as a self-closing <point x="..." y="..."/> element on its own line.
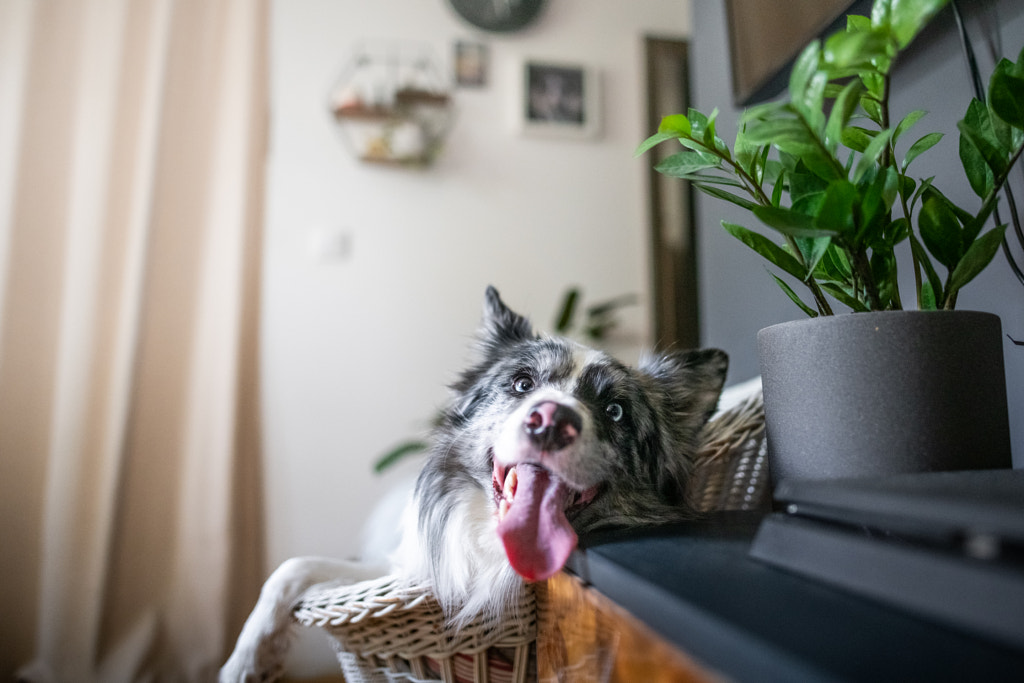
<point x="552" y="426"/>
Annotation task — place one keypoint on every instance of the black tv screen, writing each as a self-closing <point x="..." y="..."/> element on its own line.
<point x="766" y="36"/>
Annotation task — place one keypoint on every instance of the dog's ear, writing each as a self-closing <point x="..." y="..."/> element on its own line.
<point x="501" y="326"/>
<point x="686" y="388"/>
<point x="691" y="381"/>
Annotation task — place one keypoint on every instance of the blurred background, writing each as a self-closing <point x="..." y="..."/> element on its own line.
<point x="216" y="313"/>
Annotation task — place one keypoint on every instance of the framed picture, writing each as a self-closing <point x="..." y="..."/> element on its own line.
<point x="559" y="99"/>
<point x="471" y="62"/>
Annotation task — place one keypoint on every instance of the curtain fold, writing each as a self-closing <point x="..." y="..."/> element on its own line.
<point x="129" y="296"/>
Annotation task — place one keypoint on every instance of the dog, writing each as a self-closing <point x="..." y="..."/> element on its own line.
<point x="543" y="440"/>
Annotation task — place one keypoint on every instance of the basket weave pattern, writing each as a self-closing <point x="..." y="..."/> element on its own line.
<point x="392" y="630"/>
<point x="386" y="630"/>
<point x="731" y="469"/>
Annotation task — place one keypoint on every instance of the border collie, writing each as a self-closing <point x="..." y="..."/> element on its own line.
<point x="543" y="439"/>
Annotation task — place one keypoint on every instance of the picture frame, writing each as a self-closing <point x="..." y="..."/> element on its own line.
<point x="472" y="62"/>
<point x="559" y="99"/>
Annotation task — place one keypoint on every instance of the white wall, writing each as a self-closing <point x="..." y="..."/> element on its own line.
<point x="357" y="350"/>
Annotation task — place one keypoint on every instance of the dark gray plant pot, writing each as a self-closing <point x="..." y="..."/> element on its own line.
<point x="892" y="392"/>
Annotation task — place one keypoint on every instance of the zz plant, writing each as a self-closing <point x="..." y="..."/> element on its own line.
<point x="829" y="169"/>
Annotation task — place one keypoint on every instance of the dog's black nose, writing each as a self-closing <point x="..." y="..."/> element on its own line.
<point x="552" y="426"/>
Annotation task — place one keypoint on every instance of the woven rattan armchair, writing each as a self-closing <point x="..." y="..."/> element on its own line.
<point x="385" y="630"/>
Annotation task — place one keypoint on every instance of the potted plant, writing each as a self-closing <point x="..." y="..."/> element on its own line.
<point x="829" y="169"/>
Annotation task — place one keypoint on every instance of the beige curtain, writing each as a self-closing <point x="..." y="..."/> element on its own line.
<point x="132" y="144"/>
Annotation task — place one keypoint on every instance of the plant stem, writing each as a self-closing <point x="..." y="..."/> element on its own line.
<point x="990" y="200"/>
<point x="887" y="154"/>
<point x="862" y="267"/>
<point x="758" y="194"/>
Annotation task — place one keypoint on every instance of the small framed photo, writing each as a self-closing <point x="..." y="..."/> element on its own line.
<point x="471" y="63"/>
<point x="560" y="99"/>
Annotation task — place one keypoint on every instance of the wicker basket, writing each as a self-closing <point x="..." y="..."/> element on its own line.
<point x="386" y="630"/>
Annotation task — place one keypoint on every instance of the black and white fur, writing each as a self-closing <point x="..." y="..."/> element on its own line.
<point x="624" y="458"/>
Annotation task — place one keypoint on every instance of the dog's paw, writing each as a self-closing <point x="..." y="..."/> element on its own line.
<point x="263" y="644"/>
<point x="260" y="662"/>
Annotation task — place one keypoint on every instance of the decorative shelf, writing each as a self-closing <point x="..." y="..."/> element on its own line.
<point x="391" y="106"/>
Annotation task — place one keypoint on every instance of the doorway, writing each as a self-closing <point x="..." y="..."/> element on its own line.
<point x="673" y="237"/>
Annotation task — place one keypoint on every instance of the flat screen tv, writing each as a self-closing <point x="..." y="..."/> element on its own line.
<point x="766" y="36"/>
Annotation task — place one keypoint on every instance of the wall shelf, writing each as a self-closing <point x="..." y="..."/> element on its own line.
<point x="391" y="106"/>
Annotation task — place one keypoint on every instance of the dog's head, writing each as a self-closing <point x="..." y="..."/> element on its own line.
<point x="569" y="439"/>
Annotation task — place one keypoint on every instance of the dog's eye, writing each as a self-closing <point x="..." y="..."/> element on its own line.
<point x="522" y="384"/>
<point x="615" y="411"/>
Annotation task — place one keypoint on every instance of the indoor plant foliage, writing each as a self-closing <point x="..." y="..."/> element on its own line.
<point x="838" y="186"/>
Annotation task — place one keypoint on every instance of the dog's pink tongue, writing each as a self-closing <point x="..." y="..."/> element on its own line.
<point x="537" y="536"/>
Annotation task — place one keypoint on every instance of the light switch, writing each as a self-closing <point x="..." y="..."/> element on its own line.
<point x="330" y="244"/>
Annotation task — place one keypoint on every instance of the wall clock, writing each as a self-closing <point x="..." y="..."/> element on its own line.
<point x="501" y="16"/>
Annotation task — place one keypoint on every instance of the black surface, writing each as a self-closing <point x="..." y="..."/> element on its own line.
<point x="985" y="597"/>
<point x="696" y="586"/>
<point x="954" y="505"/>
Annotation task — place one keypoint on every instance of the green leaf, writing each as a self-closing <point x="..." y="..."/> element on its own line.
<point x="747" y="154"/>
<point x="1006" y="94"/>
<point x="771" y="131"/>
<point x="698" y="121"/>
<point x="976" y="128"/>
<point x="806" y="191"/>
<point x="857" y="22"/>
<point x="778" y="189"/>
<point x="702" y="133"/>
<point x="803" y="70"/>
<point x="712" y="179"/>
<point x="843" y="296"/>
<point x="878" y="189"/>
<point x="927" y="301"/>
<point x="837" y="209"/>
<point x="857" y="138"/>
<point x="812" y="249"/>
<point x="684" y="164"/>
<point x="719" y="193"/>
<point x="905" y="18"/>
<point x="565" y="318"/>
<point x="854" y="51"/>
<point x="790" y="222"/>
<point x="820" y="162"/>
<point x="921" y="146"/>
<point x="872" y="153"/>
<point x="793" y="297"/>
<point x="398" y="453"/>
<point x="962" y="215"/>
<point x="836" y="264"/>
<point x="699" y="146"/>
<point x="932" y="280"/>
<point x="709" y="138"/>
<point x="907" y="122"/>
<point x="768" y="250"/>
<point x="675" y="125"/>
<point x="897" y="231"/>
<point x="652" y="142"/>
<point x="870" y="103"/>
<point x="925" y="186"/>
<point x="977" y="257"/>
<point x="607" y="308"/>
<point x="842" y="110"/>
<point x="940" y="231"/>
<point x="907" y="187"/>
<point x="883" y="271"/>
